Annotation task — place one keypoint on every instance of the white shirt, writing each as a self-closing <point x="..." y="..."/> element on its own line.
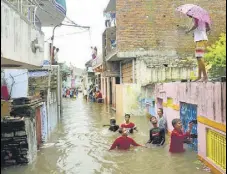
<point x="200" y="32"/>
<point x="85" y="92"/>
<point x="108" y="16"/>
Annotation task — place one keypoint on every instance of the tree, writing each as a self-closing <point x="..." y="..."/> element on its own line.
<point x="216" y="58"/>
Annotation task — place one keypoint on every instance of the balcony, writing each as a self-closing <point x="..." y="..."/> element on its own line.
<point x="109" y="44"/>
<point x="21" y="38"/>
<point x="112" y="69"/>
<point x="110" y="14"/>
<point x="53" y="12"/>
<point x="97" y="64"/>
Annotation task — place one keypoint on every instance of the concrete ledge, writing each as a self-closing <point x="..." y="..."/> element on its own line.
<point x="211" y="123"/>
<point x="213" y="169"/>
<point x="150" y="53"/>
<point x="173" y="106"/>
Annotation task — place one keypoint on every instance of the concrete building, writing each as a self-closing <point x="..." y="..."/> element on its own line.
<point x="88" y="75"/>
<point x="76" y="76"/>
<point x="150" y="44"/>
<point x="97" y="67"/>
<point x="21" y="35"/>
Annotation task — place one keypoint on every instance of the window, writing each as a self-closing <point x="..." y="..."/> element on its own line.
<point x="153" y="104"/>
<point x="169" y="102"/>
<point x="216" y="148"/>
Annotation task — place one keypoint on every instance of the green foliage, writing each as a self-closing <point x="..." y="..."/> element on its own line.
<point x="216" y="58"/>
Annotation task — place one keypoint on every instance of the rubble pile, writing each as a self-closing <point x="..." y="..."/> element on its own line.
<point x="14" y="145"/>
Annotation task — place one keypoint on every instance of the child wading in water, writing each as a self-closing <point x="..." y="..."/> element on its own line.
<point x="178" y="136"/>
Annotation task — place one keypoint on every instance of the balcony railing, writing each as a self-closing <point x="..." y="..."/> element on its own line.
<point x="27" y="10"/>
<point x="97" y="61"/>
<point x="110" y="19"/>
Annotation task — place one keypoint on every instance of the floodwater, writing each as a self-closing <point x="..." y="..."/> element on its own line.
<point x="80" y="144"/>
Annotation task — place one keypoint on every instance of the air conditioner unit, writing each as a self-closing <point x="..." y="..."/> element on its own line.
<point x="36" y="46"/>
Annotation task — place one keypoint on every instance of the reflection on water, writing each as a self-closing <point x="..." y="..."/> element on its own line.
<point x="80" y="145"/>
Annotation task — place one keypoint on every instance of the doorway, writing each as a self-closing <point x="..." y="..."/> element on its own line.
<point x="118" y="80"/>
<point x="188" y="112"/>
<point x="159" y="103"/>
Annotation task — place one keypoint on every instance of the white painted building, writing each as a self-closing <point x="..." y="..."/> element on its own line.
<point x="22" y="41"/>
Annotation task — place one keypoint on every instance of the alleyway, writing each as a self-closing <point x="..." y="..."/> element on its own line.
<point x="80" y="146"/>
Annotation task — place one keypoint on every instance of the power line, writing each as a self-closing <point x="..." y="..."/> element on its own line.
<point x="66" y="35"/>
<point x="66" y="17"/>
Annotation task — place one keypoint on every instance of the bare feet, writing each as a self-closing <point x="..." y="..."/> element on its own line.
<point x="196" y="79"/>
<point x="204" y="79"/>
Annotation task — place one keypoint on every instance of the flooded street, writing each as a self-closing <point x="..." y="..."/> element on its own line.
<point x="80" y="144"/>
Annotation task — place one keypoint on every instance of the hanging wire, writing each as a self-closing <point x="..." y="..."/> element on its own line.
<point x="90" y="37"/>
<point x="66" y="35"/>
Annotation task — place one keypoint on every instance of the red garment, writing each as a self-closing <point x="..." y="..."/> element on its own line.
<point x="123" y="143"/>
<point x="4" y="92"/>
<point x="99" y="95"/>
<point x="128" y="126"/>
<point x="177" y="141"/>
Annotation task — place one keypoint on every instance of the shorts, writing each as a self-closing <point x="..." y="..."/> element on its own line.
<point x="200" y="48"/>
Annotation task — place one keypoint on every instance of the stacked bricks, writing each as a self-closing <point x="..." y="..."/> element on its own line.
<point x="156" y="25"/>
<point x="14" y="145"/>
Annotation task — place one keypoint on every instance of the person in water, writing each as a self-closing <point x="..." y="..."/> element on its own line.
<point x="178" y="137"/>
<point x="123" y="142"/>
<point x="162" y="123"/>
<point x="113" y="127"/>
<point x="157" y="135"/>
<point x="129" y="126"/>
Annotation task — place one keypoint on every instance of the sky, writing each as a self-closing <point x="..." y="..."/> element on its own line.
<point x="76" y="48"/>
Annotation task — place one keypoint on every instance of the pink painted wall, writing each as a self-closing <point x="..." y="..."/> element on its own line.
<point x="210" y="99"/>
<point x="208" y="96"/>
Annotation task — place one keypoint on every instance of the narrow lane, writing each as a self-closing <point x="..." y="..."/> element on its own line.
<point x="80" y="145"/>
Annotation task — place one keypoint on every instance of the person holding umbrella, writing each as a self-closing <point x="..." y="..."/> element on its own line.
<point x="200" y="28"/>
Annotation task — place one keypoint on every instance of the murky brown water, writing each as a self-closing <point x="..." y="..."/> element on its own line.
<point x="80" y="146"/>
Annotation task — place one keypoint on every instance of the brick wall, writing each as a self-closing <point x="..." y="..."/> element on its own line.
<point x="153" y="24"/>
<point x="126" y="69"/>
<point x="17" y="141"/>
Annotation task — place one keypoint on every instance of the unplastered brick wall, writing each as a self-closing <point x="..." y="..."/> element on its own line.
<point x="152" y="24"/>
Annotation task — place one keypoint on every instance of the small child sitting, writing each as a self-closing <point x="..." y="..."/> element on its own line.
<point x="178" y="136"/>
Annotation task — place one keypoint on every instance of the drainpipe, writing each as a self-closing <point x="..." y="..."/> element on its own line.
<point x="133" y="71"/>
<point x="120" y="74"/>
<point x="50" y="70"/>
<point x="59" y="92"/>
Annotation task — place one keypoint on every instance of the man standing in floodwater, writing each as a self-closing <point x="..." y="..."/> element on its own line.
<point x="129" y="126"/>
<point x="123" y="142"/>
<point x="157" y="135"/>
<point x="162" y="121"/>
<point x="178" y="136"/>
